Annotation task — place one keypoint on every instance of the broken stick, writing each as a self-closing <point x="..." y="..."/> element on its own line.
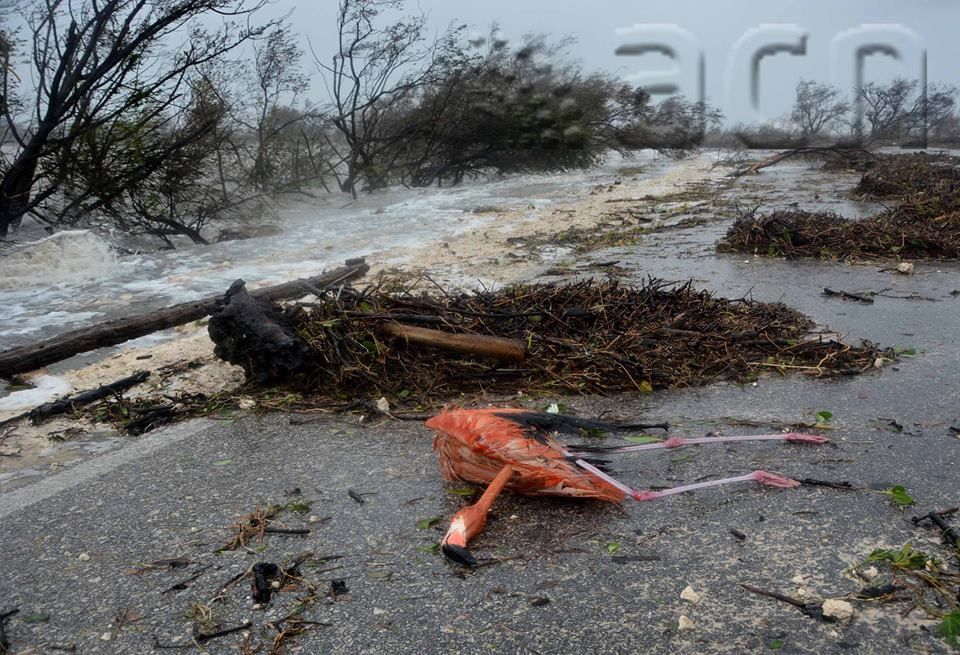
<point x="63" y="405"/>
<point x="468" y="344"/>
<point x="827" y="291"/>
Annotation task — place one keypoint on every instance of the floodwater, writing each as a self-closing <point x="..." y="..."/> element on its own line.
<point x="78" y="278"/>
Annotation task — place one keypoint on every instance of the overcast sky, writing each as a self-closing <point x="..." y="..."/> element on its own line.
<point x="715" y="25"/>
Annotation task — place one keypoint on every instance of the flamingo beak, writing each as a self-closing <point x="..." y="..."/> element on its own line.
<point x="458" y="555"/>
<point x="454" y="543"/>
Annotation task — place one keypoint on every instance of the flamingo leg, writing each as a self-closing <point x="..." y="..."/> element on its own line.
<point x="678" y="442"/>
<point x="470" y="521"/>
<point x="761" y="477"/>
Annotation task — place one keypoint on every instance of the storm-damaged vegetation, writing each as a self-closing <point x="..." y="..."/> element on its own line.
<point x="145" y="120"/>
<point x="922" y="223"/>
<point x="587" y="337"/>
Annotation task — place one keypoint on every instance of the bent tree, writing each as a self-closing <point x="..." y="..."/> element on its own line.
<point x="376" y="71"/>
<point x="107" y="71"/>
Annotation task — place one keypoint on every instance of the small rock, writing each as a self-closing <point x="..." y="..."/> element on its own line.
<point x="106" y="636"/>
<point x="377" y="611"/>
<point x="870" y="573"/>
<point x="246" y="403"/>
<point x="84" y="557"/>
<point x="685" y="624"/>
<point x="689" y="595"/>
<point x="905" y="268"/>
<point x="314" y="519"/>
<point x="840" y="610"/>
<point x="383" y="405"/>
<point x="797" y="579"/>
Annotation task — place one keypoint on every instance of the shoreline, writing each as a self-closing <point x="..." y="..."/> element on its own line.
<point x="494" y="253"/>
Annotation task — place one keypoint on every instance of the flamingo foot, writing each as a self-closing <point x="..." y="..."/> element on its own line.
<point x="798" y="437"/>
<point x="762" y="477"/>
<point x="773" y="480"/>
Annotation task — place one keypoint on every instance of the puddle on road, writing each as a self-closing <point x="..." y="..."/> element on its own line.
<point x="33" y="463"/>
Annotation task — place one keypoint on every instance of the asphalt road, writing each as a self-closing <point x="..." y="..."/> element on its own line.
<point x="564" y="577"/>
<point x="577" y="576"/>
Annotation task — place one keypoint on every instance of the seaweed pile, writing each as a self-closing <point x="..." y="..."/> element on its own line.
<point x="586" y="337"/>
<point x="904" y="177"/>
<point x="924" y="223"/>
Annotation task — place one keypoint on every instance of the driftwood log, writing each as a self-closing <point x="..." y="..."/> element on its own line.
<point x="111" y="333"/>
<point x="257" y="335"/>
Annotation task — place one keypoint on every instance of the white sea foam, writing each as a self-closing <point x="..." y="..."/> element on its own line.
<point x="65" y="257"/>
<point x="47" y="388"/>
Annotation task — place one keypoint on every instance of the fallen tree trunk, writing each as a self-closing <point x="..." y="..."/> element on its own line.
<point x="512" y="350"/>
<point x="787" y="154"/>
<point x="111" y="333"/>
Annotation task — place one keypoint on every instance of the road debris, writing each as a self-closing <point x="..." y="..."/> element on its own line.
<point x="837" y="610"/>
<point x="689" y="595"/>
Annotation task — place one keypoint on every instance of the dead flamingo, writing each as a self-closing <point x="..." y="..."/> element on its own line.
<point x="516" y="450"/>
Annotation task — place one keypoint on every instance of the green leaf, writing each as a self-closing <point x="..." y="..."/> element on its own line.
<point x="907" y="557"/>
<point x="223" y="462"/>
<point x="823" y="416"/>
<point x="950" y="628"/>
<point x="462" y="491"/>
<point x="35" y="618"/>
<point x="643" y="439"/>
<point x="906" y="352"/>
<point x="297" y="507"/>
<point x="613" y="547"/>
<point x="434" y="549"/>
<point x="646" y="387"/>
<point x="426" y="524"/>
<point x="776" y="644"/>
<point x="900" y="496"/>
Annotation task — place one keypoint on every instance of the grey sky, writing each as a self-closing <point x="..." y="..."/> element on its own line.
<point x="716" y="24"/>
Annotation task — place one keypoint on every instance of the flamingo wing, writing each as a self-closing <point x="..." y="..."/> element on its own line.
<point x="474" y="445"/>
